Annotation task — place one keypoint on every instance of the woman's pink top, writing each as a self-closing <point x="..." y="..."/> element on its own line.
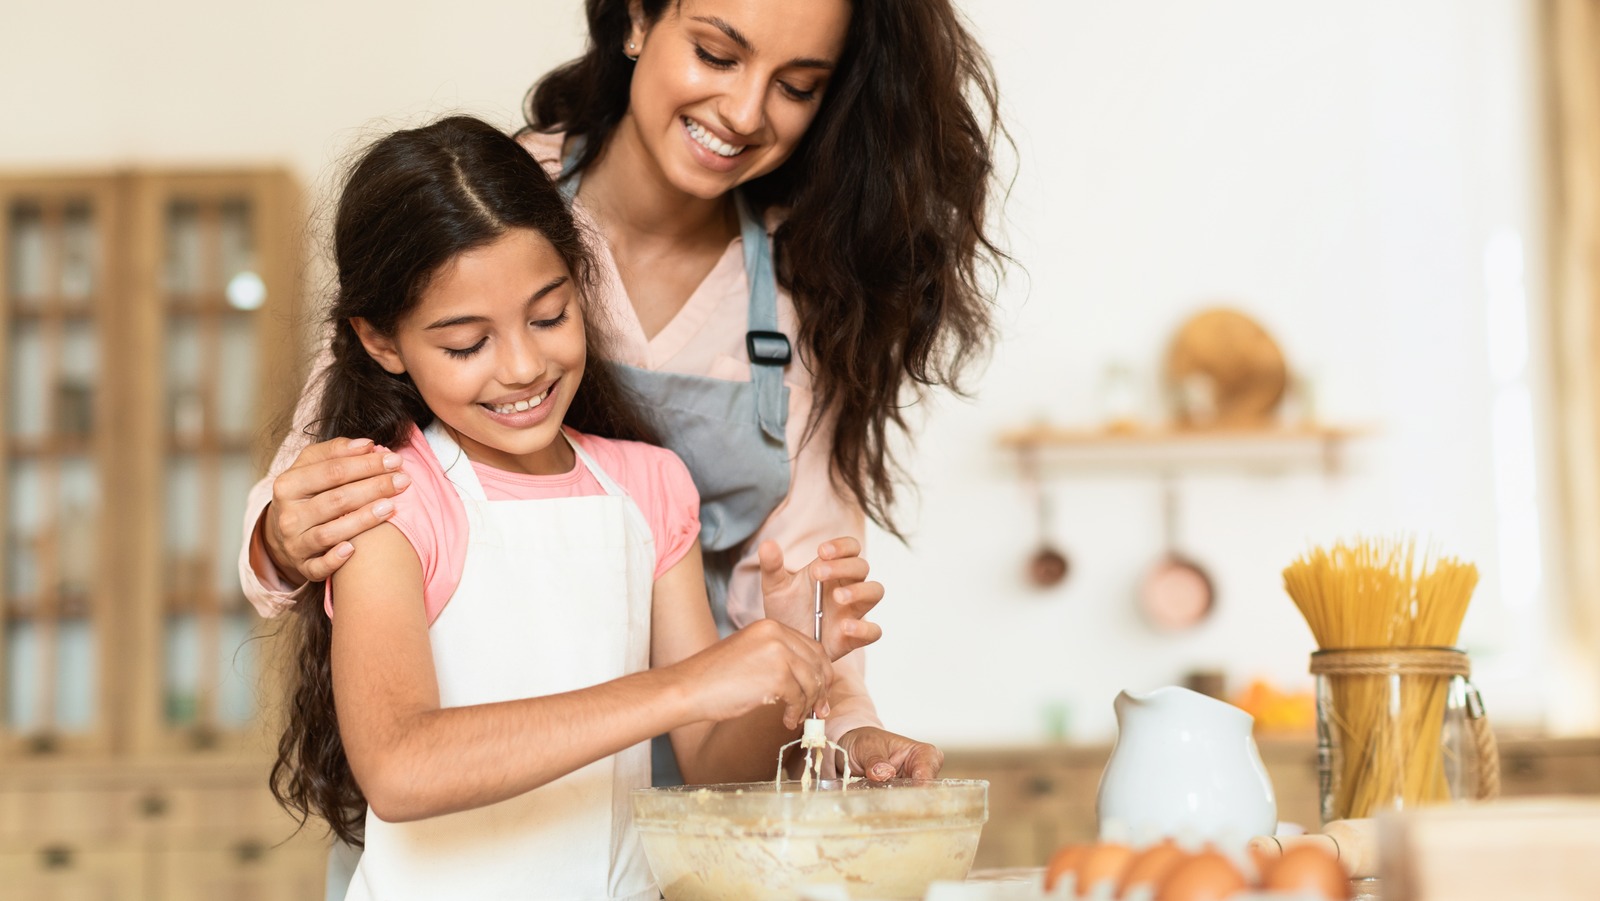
<point x="707" y="338"/>
<point x="433" y="518"/>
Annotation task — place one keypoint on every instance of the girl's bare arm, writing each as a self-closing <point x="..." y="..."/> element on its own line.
<point x="414" y="759"/>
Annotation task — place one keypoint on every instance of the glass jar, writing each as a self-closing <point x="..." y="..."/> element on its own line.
<point x="1399" y="728"/>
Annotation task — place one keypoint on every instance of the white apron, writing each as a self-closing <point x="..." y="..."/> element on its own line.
<point x="554" y="596"/>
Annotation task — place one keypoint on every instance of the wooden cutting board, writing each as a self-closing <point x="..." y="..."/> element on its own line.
<point x="1225" y="371"/>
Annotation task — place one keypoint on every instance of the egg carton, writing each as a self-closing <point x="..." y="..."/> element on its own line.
<point x="1064" y="891"/>
<point x="1031" y="888"/>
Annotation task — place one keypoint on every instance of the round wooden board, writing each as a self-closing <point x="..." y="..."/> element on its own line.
<point x="1244" y="366"/>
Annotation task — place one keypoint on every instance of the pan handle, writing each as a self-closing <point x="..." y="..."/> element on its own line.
<point x="1169" y="513"/>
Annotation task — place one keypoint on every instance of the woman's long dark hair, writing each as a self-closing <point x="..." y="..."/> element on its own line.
<point x="414" y="201"/>
<point x="885" y="249"/>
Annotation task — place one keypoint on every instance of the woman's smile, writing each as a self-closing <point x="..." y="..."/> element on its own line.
<point x="707" y="139"/>
<point x="709" y="150"/>
<point x="724" y="90"/>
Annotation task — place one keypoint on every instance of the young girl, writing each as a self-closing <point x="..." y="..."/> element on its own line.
<point x="477" y="699"/>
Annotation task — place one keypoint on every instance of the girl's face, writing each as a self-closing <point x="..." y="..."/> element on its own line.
<point x="496" y="348"/>
<point x="724" y="90"/>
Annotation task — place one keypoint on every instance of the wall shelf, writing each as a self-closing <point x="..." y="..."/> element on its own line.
<point x="1172" y="449"/>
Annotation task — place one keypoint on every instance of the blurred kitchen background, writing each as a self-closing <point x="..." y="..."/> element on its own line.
<point x="1396" y="201"/>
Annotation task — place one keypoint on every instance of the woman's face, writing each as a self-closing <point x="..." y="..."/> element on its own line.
<point x="495" y="347"/>
<point x="723" y="90"/>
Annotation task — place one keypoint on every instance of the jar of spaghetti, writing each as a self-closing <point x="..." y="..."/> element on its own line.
<point x="1399" y="728"/>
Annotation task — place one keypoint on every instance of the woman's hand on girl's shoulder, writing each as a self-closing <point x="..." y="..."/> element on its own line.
<point x="334" y="491"/>
<point x="847" y="596"/>
<point x="762" y="664"/>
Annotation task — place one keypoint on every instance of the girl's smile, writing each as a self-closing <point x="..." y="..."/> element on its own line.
<point x="495" y="346"/>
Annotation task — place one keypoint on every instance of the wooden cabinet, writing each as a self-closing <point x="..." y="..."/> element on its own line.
<point x="1043" y="797"/>
<point x="152" y="830"/>
<point x="147" y="344"/>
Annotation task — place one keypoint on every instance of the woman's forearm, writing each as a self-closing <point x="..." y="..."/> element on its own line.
<point x="266" y="582"/>
<point x="739" y="750"/>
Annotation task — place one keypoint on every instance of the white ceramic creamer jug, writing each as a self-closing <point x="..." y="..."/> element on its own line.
<point x="1184" y="765"/>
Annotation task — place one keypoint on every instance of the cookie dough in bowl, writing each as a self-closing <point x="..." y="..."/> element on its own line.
<point x="760" y="841"/>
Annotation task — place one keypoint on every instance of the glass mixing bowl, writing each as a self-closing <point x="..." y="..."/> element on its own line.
<point x="759" y="842"/>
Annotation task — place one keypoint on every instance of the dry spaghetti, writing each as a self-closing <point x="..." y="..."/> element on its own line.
<point x="1385" y="620"/>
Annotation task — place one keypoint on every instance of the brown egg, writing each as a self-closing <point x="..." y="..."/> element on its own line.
<point x="1207" y="876"/>
<point x="1151" y="865"/>
<point x="1105" y="862"/>
<point x="1063" y="862"/>
<point x="1308" y="869"/>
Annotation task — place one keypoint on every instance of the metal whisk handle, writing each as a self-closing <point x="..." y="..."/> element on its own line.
<point x="816" y="625"/>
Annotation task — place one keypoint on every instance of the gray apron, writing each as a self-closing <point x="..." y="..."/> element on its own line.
<point x="731" y="435"/>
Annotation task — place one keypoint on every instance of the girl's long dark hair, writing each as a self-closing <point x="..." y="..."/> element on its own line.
<point x="885" y="248"/>
<point x="414" y="201"/>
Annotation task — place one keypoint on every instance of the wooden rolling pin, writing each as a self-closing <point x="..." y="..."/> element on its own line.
<point x="1353" y="842"/>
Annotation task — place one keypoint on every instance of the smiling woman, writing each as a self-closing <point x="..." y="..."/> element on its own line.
<point x="871" y="125"/>
<point x="788" y="202"/>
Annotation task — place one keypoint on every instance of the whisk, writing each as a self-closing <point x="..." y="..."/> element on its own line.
<point x="813" y="740"/>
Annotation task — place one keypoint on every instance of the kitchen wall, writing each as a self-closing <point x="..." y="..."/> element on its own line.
<point x="1360" y="176"/>
<point x="1343" y="172"/>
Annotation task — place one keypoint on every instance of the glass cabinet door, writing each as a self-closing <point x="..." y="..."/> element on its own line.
<point x="54" y="621"/>
<point x="147" y="343"/>
<point x="216" y="323"/>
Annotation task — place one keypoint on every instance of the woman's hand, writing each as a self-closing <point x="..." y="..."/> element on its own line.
<point x="846" y="596"/>
<point x="882" y="755"/>
<point x="763" y="664"/>
<point x="334" y="491"/>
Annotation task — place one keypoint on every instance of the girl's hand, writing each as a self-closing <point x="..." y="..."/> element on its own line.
<point x="846" y="595"/>
<point x="763" y="664"/>
<point x="882" y="755"/>
<point x="334" y="491"/>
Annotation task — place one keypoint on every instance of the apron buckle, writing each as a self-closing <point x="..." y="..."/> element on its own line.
<point x="768" y="348"/>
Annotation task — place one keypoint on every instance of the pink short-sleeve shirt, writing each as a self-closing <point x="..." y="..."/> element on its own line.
<point x="432" y="517"/>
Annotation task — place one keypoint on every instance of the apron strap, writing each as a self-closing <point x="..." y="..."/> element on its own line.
<point x="458" y="469"/>
<point x="569" y="178"/>
<point x="609" y="484"/>
<point x="768" y="348"/>
<point x="633" y="511"/>
<point x="453" y="460"/>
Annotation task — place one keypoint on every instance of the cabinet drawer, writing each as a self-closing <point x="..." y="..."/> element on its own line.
<point x="63" y="871"/>
<point x="1033" y="810"/>
<point x="1045" y="791"/>
<point x="215" y="816"/>
<point x="97" y="817"/>
<point x="1534" y="772"/>
<point x="293" y="872"/>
